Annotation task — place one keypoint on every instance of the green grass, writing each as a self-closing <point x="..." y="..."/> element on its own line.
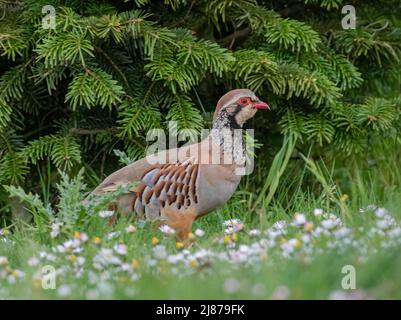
<point x="309" y="270"/>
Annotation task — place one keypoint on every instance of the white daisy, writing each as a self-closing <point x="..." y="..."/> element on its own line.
<point x="280" y="225"/>
<point x="160" y="252"/>
<point x="199" y="232"/>
<point x="317" y="212"/>
<point x="233" y="225"/>
<point x="113" y="235"/>
<point x="255" y="232"/>
<point x="299" y="219"/>
<point x="64" y="290"/>
<point x="166" y="229"/>
<point x="130" y="229"/>
<point x="381" y="212"/>
<point x="3" y="260"/>
<point x="106" y="214"/>
<point x="328" y="224"/>
<point x="33" y="261"/>
<point x="121" y="249"/>
<point x="55" y="229"/>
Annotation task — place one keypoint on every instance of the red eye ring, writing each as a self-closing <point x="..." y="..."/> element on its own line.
<point x="244" y="101"/>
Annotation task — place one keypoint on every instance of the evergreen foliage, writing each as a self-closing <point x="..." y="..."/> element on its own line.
<point x="110" y="71"/>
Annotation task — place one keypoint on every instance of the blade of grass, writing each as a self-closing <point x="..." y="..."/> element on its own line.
<point x="277" y="168"/>
<point x="331" y="190"/>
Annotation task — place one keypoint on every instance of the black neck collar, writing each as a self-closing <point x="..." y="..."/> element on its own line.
<point x="224" y="120"/>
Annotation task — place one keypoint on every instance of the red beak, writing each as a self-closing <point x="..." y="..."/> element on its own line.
<point x="260" y="105"/>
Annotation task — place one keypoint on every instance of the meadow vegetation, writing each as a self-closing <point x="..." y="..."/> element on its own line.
<point x="76" y="103"/>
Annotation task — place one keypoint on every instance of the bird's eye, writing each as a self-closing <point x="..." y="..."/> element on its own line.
<point x="244" y="101"/>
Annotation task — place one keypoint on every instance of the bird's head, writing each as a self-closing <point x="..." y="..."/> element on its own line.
<point x="239" y="105"/>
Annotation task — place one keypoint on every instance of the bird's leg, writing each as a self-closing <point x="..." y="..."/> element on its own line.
<point x="112" y="221"/>
<point x="180" y="222"/>
<point x="112" y="207"/>
<point x="123" y="207"/>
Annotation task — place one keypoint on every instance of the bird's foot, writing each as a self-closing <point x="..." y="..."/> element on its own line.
<point x="181" y="222"/>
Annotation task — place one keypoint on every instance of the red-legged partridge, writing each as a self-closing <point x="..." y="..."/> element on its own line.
<point x="189" y="183"/>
